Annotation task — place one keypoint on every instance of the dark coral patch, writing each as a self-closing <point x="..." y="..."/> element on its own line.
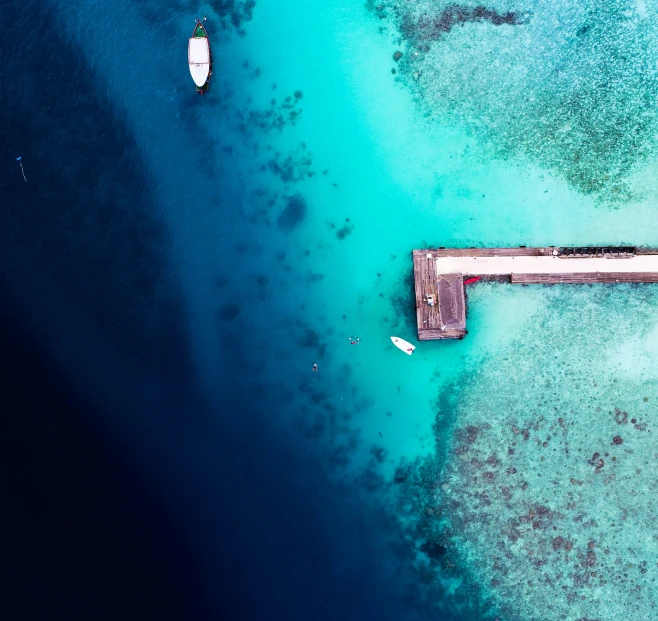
<point x="433" y="549"/>
<point x="455" y="14"/>
<point x="378" y="453"/>
<point x="345" y="230"/>
<point x="293" y="214"/>
<point x="401" y="474"/>
<point x="228" y="312"/>
<point x="311" y="339"/>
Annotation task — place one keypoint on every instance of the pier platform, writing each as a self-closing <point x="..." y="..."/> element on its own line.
<point x="439" y="276"/>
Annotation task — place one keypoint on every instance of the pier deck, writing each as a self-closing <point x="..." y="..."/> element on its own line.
<point x="445" y="318"/>
<point x="439" y="274"/>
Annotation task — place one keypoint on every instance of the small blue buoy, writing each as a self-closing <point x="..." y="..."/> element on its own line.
<point x="18" y="159"/>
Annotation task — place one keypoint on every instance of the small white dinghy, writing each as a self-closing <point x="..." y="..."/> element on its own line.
<point x="405" y="346"/>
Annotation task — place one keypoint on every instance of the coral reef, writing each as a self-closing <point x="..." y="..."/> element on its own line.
<point x="576" y="94"/>
<point x="537" y="496"/>
<point x="293" y="167"/>
<point x="277" y="116"/>
<point x="232" y="14"/>
<point x="293" y="214"/>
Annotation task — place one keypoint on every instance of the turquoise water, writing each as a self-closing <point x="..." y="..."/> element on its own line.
<point x="293" y="194"/>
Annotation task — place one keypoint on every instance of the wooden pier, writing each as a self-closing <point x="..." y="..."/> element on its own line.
<point x="439" y="276"/>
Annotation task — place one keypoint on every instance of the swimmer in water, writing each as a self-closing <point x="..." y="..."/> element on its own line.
<point x="315" y="368"/>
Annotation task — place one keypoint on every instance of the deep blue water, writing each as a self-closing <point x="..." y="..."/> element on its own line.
<point x="125" y="495"/>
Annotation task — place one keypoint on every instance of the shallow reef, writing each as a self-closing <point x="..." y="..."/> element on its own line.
<point x="544" y="491"/>
<point x="570" y="87"/>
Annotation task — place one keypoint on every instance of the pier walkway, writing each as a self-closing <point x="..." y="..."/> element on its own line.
<point x="439" y="276"/>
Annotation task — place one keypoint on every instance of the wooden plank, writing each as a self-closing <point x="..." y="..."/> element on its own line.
<point x="435" y="335"/>
<point x="519" y="251"/>
<point x="485" y="252"/>
<point x="428" y="318"/>
<point x="584" y="278"/>
<point x="418" y="284"/>
<point x="425" y="280"/>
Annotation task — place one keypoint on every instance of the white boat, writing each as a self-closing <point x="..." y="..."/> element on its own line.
<point x="405" y="346"/>
<point x="199" y="57"/>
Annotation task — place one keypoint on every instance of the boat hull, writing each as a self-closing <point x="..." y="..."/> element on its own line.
<point x="199" y="57"/>
<point x="403" y="345"/>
